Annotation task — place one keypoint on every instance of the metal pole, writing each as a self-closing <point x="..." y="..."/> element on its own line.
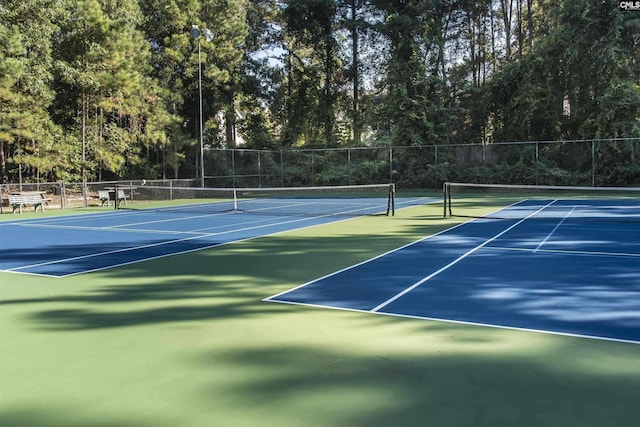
<point x="593" y="163"/>
<point x="390" y="164"/>
<point x="259" y="171"/>
<point x="233" y="167"/>
<point x="435" y="159"/>
<point x="201" y="116"/>
<point x="537" y="163"/>
<point x="349" y="164"/>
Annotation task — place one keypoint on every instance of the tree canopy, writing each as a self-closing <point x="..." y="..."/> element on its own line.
<point x="94" y="89"/>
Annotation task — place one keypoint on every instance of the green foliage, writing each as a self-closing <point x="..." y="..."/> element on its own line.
<point x="27" y="133"/>
<point x="586" y="60"/>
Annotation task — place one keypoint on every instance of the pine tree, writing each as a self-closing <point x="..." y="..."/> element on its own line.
<point x="103" y="63"/>
<point x="29" y="137"/>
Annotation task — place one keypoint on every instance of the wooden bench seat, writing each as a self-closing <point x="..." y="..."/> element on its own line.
<point x="105" y="196"/>
<point x="17" y="201"/>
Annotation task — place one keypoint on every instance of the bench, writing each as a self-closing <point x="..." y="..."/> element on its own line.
<point x="17" y="201"/>
<point x="105" y="196"/>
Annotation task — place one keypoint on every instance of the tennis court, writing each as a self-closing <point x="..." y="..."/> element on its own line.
<point x="556" y="266"/>
<point x="195" y="219"/>
<point x="180" y="334"/>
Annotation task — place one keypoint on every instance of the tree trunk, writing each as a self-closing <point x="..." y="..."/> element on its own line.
<point x="3" y="165"/>
<point x="357" y="121"/>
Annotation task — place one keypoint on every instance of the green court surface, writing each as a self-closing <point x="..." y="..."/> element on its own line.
<point x="186" y="340"/>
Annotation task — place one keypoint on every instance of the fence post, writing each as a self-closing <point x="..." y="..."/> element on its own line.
<point x="349" y="165"/>
<point x="84" y="194"/>
<point x="435" y="154"/>
<point x="281" y="167"/>
<point x="259" y="171"/>
<point x="537" y="162"/>
<point x="485" y="168"/>
<point x="593" y="163"/>
<point x="390" y="164"/>
<point x="233" y="167"/>
<point x="63" y="196"/>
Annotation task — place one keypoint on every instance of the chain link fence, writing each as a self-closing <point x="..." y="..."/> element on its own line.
<point x="82" y="195"/>
<point x="585" y="163"/>
<point x="598" y="163"/>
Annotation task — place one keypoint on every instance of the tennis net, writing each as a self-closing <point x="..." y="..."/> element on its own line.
<point x="350" y="200"/>
<point x="542" y="202"/>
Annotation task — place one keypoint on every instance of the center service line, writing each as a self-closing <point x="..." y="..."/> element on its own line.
<point x="554" y="230"/>
<point x="457" y="260"/>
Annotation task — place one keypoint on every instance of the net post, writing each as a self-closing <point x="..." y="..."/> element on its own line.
<point x="393" y="199"/>
<point x="63" y="196"/>
<point x="235" y="200"/>
<point x="445" y="193"/>
<point x="391" y="204"/>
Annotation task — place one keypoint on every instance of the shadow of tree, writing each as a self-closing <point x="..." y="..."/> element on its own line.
<point x="285" y="365"/>
<point x="449" y="375"/>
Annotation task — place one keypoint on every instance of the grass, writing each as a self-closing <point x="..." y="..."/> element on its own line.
<point x="187" y="340"/>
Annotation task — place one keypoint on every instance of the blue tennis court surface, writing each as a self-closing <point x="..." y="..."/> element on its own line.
<point x="545" y="266"/>
<point x="67" y="245"/>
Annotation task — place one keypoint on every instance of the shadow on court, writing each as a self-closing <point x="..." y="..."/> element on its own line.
<point x="361" y="371"/>
<point x="186" y="340"/>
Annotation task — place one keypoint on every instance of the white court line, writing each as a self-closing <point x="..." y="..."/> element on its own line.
<point x="457" y="260"/>
<point x="135" y="261"/>
<point x="462" y="322"/>
<point x="17" y="269"/>
<point x="122" y="227"/>
<point x="65" y="218"/>
<point x="114" y="251"/>
<point x="554" y="230"/>
<point x="133" y="248"/>
<point x="115" y="229"/>
<point x="273" y="297"/>
<point x="335" y="273"/>
<point x="173" y="219"/>
<point x="570" y="252"/>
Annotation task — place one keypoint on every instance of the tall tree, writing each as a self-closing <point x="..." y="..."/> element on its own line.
<point x="587" y="62"/>
<point x="29" y="137"/>
<point x="102" y="68"/>
<point x="10" y="71"/>
<point x="600" y="62"/>
<point x="261" y="74"/>
<point x="312" y="71"/>
<point x="355" y="17"/>
<point x="176" y="64"/>
<point x="406" y="84"/>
